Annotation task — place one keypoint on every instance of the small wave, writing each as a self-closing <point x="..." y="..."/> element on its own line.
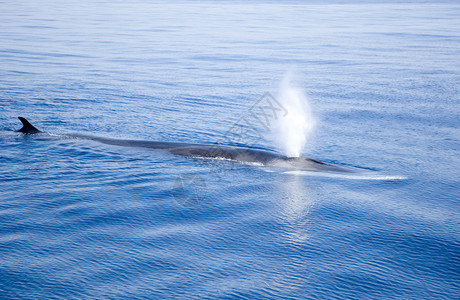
<point x="358" y="176"/>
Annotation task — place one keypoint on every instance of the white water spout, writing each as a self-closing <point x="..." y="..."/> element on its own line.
<point x="293" y="131"/>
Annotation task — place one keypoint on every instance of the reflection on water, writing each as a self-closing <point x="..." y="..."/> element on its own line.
<point x="296" y="200"/>
<point x="295" y="203"/>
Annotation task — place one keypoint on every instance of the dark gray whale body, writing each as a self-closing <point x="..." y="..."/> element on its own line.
<point x="27" y="128"/>
<point x="239" y="154"/>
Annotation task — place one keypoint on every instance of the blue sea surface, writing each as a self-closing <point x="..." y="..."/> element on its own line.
<point x="85" y="220"/>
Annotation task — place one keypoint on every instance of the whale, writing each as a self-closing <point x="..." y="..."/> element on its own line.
<point x="244" y="155"/>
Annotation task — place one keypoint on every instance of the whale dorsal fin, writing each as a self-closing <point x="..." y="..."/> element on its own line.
<point x="27" y="128"/>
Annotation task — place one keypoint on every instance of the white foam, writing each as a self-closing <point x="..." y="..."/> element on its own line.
<point x="357" y="176"/>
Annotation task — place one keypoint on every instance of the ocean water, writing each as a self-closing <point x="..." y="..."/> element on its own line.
<point x="84" y="220"/>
